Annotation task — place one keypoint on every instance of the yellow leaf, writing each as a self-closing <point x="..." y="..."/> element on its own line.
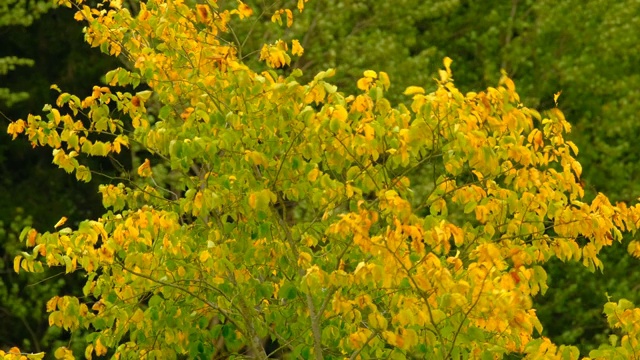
<point x="60" y="222"/>
<point x="458" y="234"/>
<point x="252" y="200"/>
<point x="35" y="356"/>
<point x="412" y="90"/>
<point x="146" y="94"/>
<point x="275" y="55"/>
<point x="577" y="168"/>
<point x="377" y="321"/>
<point x="204" y="256"/>
<point x="296" y="48"/>
<point x="289" y="17"/>
<point x="340" y="113"/>
<point x="447" y="65"/>
<point x="16" y="128"/>
<point x="144" y="170"/>
<point x="313" y="175"/>
<point x="384" y="80"/>
<point x="634" y="248"/>
<point x="256" y="158"/>
<point x="52" y="303"/>
<point x="277" y="17"/>
<point x="197" y="203"/>
<point x="556" y="96"/>
<point x="244" y="10"/>
<point x="536" y="138"/>
<point x="88" y="352"/>
<point x="489" y="230"/>
<point x="55" y="87"/>
<point x="56" y="116"/>
<point x="100" y="349"/>
<point x="478" y="174"/>
<point x="304" y="259"/>
<point x="203" y="12"/>
<point x="573" y="147"/>
<point x="63" y="353"/>
<point x="364" y="83"/>
<point x="16" y="264"/>
<point x="369" y="132"/>
<point x="370" y="74"/>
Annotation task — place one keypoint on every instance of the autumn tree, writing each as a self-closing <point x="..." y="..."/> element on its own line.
<point x="277" y="218"/>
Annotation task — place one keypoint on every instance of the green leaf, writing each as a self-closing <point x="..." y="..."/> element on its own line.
<point x="288" y="291"/>
<point x="470" y="206"/>
<point x="335" y="124"/>
<point x="83" y="173"/>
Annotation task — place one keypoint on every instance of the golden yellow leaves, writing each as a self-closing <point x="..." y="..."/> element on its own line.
<point x="445" y="75"/>
<point x="392" y="202"/>
<point x="577" y="168"/>
<point x="360" y="338"/>
<point x="384" y="80"/>
<point x="98" y="347"/>
<point x="144" y="170"/>
<point x="204" y="256"/>
<point x="301" y="4"/>
<point x="536" y="138"/>
<point x="361" y="104"/>
<point x="84" y="14"/>
<point x="60" y="222"/>
<point x="412" y="90"/>
<point x="338" y="117"/>
<point x="438" y="237"/>
<point x="63" y="353"/>
<point x="16" y="264"/>
<point x="243" y="10"/>
<point x="313" y="174"/>
<point x="556" y="96"/>
<point x="15" y="354"/>
<point x="316" y="94"/>
<point x="277" y="16"/>
<point x="634" y="248"/>
<point x="489" y="255"/>
<point x="15" y="128"/>
<point x="357" y="224"/>
<point x="304" y="260"/>
<point x="367" y="81"/>
<point x="201" y="9"/>
<point x="296" y="48"/>
<point x="275" y="55"/>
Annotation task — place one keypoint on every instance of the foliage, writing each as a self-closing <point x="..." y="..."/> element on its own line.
<point x="584" y="49"/>
<point x="267" y="209"/>
<point x="22" y="298"/>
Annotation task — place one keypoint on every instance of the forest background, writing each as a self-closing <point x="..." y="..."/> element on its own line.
<point x="589" y="50"/>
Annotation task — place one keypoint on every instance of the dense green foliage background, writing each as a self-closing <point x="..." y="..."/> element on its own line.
<point x="586" y="49"/>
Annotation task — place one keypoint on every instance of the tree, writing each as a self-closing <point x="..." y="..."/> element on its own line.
<point x="267" y="209"/>
<point x="583" y="49"/>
